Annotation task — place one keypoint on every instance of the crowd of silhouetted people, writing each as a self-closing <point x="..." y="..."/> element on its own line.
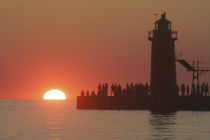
<point x="131" y="89"/>
<point x="139" y="89"/>
<point x="196" y="90"/>
<point x="102" y="91"/>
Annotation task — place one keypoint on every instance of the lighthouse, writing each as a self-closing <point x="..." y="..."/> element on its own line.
<point x="163" y="64"/>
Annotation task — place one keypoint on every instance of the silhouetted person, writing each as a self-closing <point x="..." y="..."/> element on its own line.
<point x="198" y="89"/>
<point x="112" y="89"/>
<point x="188" y="90"/>
<point x="183" y="89"/>
<point x="119" y="90"/>
<point x="106" y="89"/>
<point x="93" y="93"/>
<point x="99" y="86"/>
<point x="82" y="93"/>
<point x="99" y="89"/>
<point x="177" y="89"/>
<point x="193" y="89"/>
<point x="207" y="89"/>
<point x="124" y="92"/>
<point x="204" y="90"/>
<point x="131" y="88"/>
<point x="127" y="89"/>
<point x="87" y="93"/>
<point x="203" y="86"/>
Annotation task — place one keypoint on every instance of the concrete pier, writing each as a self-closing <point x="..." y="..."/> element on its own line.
<point x="192" y="103"/>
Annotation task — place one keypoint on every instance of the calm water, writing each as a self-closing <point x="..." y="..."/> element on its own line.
<point x="41" y="120"/>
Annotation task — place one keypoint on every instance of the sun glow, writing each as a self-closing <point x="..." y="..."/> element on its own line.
<point x="54" y="94"/>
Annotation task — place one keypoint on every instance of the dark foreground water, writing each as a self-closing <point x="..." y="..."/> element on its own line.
<point x="47" y="120"/>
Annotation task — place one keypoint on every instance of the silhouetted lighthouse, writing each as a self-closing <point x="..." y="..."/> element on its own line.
<point x="163" y="67"/>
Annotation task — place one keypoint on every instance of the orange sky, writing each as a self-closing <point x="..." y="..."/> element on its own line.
<point x="74" y="45"/>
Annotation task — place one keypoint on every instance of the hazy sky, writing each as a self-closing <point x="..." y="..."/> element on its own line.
<point x="75" y="44"/>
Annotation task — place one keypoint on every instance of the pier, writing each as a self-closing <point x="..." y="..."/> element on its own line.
<point x="187" y="103"/>
<point x="163" y="92"/>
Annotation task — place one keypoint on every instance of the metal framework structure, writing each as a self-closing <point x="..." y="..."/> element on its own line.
<point x="197" y="72"/>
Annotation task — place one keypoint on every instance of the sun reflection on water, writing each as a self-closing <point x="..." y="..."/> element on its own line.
<point x="54" y="111"/>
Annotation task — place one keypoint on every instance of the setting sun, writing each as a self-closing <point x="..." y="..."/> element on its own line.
<point x="54" y="94"/>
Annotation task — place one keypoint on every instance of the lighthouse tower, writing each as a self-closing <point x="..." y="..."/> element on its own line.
<point x="163" y="66"/>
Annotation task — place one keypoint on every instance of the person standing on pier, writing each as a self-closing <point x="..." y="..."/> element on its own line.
<point x="177" y="90"/>
<point x="183" y="89"/>
<point x="106" y="87"/>
<point x="112" y="89"/>
<point x="193" y="89"/>
<point x="82" y="93"/>
<point x="203" y="87"/>
<point x="207" y="89"/>
<point x="188" y="90"/>
<point x="198" y="90"/>
<point x="99" y="89"/>
<point x="87" y="93"/>
<point x="93" y="93"/>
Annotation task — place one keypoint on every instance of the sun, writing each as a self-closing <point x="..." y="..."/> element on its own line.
<point x="54" y="94"/>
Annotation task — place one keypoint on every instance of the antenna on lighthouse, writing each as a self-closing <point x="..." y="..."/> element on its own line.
<point x="156" y="15"/>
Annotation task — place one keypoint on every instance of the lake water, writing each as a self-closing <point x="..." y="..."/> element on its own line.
<point x="49" y="120"/>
